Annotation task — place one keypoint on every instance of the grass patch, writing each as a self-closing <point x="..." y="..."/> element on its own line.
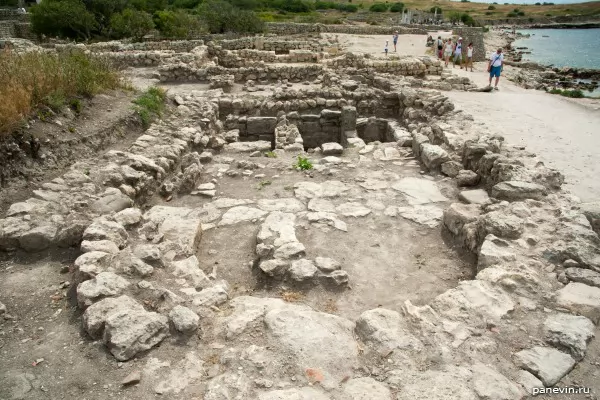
<point x="36" y="79"/>
<point x="264" y="183"/>
<point x="303" y="164"/>
<point x="271" y="154"/>
<point x="150" y="105"/>
<point x="575" y="93"/>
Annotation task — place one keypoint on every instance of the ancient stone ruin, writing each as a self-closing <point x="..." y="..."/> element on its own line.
<point x="418" y="258"/>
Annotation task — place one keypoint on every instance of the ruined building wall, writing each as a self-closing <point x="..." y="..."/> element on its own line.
<point x="474" y="35"/>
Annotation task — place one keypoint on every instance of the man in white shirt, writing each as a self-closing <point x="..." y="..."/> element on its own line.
<point x="495" y="66"/>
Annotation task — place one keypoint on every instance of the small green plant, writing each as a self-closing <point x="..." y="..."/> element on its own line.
<point x="264" y="183"/>
<point x="575" y="93"/>
<point x="72" y="129"/>
<point x="303" y="164"/>
<point x="271" y="154"/>
<point x="150" y="104"/>
<point x="76" y="105"/>
<point x="55" y="100"/>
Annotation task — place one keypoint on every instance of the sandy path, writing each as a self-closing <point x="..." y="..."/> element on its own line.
<point x="408" y="45"/>
<point x="562" y="132"/>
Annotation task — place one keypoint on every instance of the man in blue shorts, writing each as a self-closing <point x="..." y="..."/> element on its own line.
<point x="495" y="66"/>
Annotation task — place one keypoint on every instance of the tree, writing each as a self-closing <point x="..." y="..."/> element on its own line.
<point x="103" y="11"/>
<point x="491" y="8"/>
<point x="467" y="20"/>
<point x="454" y="17"/>
<point x="131" y="23"/>
<point x="63" y="18"/>
<point x="378" y="7"/>
<point x="397" y="7"/>
<point x="177" y="24"/>
<point x="219" y="16"/>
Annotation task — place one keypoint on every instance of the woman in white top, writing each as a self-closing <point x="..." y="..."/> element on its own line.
<point x="469" y="57"/>
<point x="448" y="51"/>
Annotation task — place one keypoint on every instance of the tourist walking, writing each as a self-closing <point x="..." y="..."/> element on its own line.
<point x="469" y="57"/>
<point x="440" y="47"/>
<point x="457" y="53"/>
<point x="448" y="51"/>
<point x="495" y="67"/>
<point x="385" y="49"/>
<point x="395" y="40"/>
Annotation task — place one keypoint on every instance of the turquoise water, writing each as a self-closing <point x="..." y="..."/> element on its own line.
<point x="562" y="47"/>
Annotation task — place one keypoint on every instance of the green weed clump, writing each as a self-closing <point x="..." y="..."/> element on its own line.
<point x="150" y="105"/>
<point x="37" y="79"/>
<point x="575" y="93"/>
<point x="303" y="164"/>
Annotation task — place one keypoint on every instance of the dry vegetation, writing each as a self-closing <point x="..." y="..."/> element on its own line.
<point x="479" y="11"/>
<point x="37" y="79"/>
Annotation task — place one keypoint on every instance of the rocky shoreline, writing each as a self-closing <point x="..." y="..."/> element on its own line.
<point x="532" y="75"/>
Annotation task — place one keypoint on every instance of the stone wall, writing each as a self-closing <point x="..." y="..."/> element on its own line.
<point x="270" y="44"/>
<point x="172" y="45"/>
<point x="295" y="28"/>
<point x="183" y="72"/>
<point x="7" y="29"/>
<point x="475" y="36"/>
<point x="394" y="65"/>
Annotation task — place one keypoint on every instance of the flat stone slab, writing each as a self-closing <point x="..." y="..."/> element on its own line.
<point x="225" y="202"/>
<point x="518" y="190"/>
<point x="290" y="205"/>
<point x="580" y="299"/>
<point x="316" y="340"/>
<point x="582" y="275"/>
<point x="427" y="215"/>
<point x="571" y="332"/>
<point x="353" y="209"/>
<point x="490" y="384"/>
<point x="238" y="214"/>
<point x="309" y="190"/>
<point x="178" y="224"/>
<point x="547" y="363"/>
<point x="248" y="147"/>
<point x="477" y="196"/>
<point x="419" y="191"/>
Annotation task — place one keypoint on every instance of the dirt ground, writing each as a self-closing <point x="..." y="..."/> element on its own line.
<point x="408" y="45"/>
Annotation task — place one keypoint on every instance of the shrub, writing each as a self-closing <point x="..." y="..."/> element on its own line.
<point x="65" y="19"/>
<point x="131" y="23"/>
<point x="511" y="15"/>
<point x="378" y="7"/>
<point x="348" y="7"/>
<point x="220" y="16"/>
<point x="303" y="164"/>
<point x="177" y="24"/>
<point x="454" y="17"/>
<point x="150" y="105"/>
<point x="489" y="13"/>
<point x="433" y="10"/>
<point x="468" y="20"/>
<point x="397" y="7"/>
<point x="294" y="6"/>
<point x="491" y="8"/>
<point x="575" y="93"/>
<point x="42" y="79"/>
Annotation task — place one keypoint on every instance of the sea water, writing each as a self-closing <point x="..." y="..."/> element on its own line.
<point x="579" y="48"/>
